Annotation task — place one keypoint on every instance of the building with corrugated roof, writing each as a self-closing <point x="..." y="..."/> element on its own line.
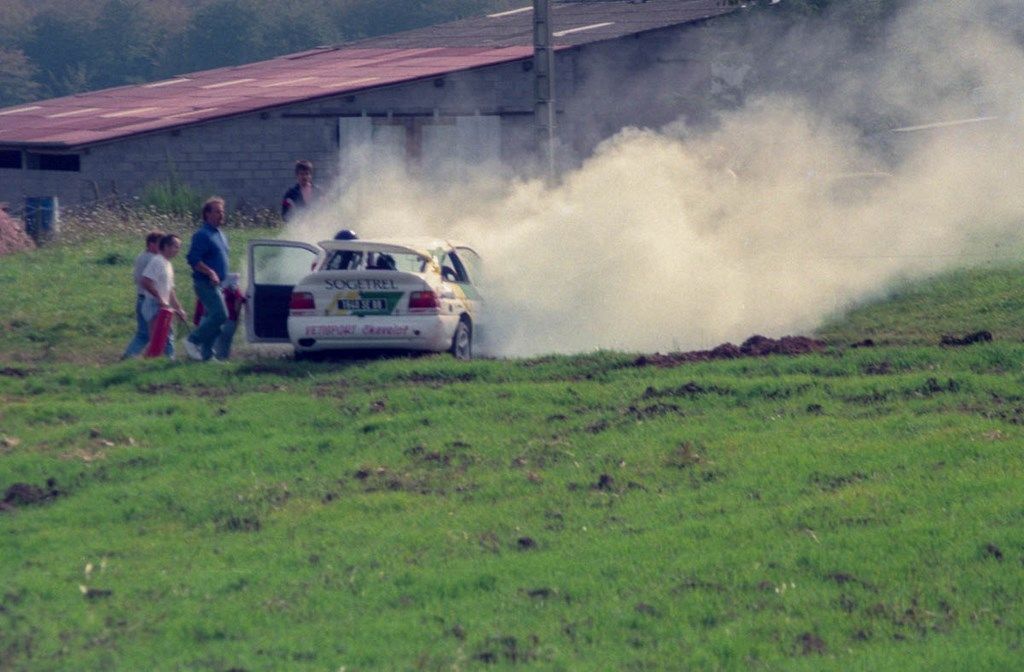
<point x="439" y="99"/>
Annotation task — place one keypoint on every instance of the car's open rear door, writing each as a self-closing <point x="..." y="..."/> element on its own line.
<point x="275" y="266"/>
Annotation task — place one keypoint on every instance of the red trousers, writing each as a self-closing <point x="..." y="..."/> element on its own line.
<point x="159" y="330"/>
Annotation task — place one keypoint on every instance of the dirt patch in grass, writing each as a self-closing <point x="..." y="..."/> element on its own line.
<point x="283" y="368"/>
<point x="688" y="390"/>
<point x="932" y="387"/>
<point x="239" y="524"/>
<point x="438" y="379"/>
<point x="844" y="578"/>
<point x="808" y="644"/>
<point x="507" y="649"/>
<point x="684" y="457"/>
<point x="26" y="494"/>
<point x="421" y="479"/>
<point x="181" y="390"/>
<point x="949" y="340"/>
<point x="161" y="388"/>
<point x="11" y="372"/>
<point x="914" y="618"/>
<point x="833" y="482"/>
<point x="606" y="484"/>
<point x="878" y="369"/>
<point x="694" y="583"/>
<point x="526" y="544"/>
<point x="334" y="389"/>
<point x="755" y="346"/>
<point x="653" y="411"/>
<point x="993" y="551"/>
<point x="1014" y="415"/>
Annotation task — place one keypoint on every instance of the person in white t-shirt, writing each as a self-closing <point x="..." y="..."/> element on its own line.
<point x="158" y="282"/>
<point x="141" y="338"/>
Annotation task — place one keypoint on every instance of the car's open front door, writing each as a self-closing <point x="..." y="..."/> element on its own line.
<point x="275" y="267"/>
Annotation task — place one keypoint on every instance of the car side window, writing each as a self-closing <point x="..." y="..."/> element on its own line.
<point x="280" y="264"/>
<point x="470" y="264"/>
<point x="452" y="269"/>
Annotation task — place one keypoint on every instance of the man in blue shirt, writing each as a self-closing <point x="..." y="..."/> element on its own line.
<point x="208" y="257"/>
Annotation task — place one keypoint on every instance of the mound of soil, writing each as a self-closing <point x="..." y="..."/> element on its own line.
<point x="25" y="494"/>
<point x="755" y="346"/>
<point x="950" y="340"/>
<point x="12" y="235"/>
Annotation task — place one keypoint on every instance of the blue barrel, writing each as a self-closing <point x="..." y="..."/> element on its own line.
<point x="42" y="218"/>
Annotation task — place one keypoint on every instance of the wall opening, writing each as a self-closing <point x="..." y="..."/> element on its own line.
<point x="10" y="158"/>
<point x="62" y="162"/>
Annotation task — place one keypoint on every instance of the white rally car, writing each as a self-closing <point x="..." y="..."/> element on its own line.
<point x="364" y="295"/>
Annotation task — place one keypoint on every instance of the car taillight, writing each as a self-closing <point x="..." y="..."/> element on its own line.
<point x="423" y="301"/>
<point x="301" y="301"/>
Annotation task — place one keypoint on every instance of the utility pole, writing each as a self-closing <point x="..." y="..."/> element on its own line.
<point x="544" y="85"/>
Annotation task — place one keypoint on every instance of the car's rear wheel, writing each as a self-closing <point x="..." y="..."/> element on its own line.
<point x="462" y="341"/>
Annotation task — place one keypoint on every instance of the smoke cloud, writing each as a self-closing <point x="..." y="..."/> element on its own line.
<point x="781" y="214"/>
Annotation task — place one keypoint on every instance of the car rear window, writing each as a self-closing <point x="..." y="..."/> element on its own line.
<point x="352" y="260"/>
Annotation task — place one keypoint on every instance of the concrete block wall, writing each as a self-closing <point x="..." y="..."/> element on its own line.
<point x="646" y="81"/>
<point x="250" y="159"/>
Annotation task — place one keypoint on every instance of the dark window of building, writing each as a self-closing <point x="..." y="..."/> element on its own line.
<point x="67" y="162"/>
<point x="10" y="158"/>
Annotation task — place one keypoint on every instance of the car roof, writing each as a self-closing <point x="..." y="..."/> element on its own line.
<point x="422" y="246"/>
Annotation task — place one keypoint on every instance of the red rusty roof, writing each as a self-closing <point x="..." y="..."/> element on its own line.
<point x="98" y="116"/>
<point x="89" y="118"/>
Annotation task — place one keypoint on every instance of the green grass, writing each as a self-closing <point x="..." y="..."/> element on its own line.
<point x="858" y="509"/>
<point x="174" y="197"/>
<point x="959" y="303"/>
<point x="74" y="303"/>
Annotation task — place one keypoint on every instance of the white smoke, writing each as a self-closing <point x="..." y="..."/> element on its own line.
<point x="777" y="218"/>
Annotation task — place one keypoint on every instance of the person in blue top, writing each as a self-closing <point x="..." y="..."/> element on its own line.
<point x="208" y="257"/>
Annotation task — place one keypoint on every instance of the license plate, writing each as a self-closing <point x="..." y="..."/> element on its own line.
<point x="374" y="305"/>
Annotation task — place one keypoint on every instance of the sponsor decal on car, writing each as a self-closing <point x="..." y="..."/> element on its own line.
<point x="361" y="284"/>
<point x="348" y="330"/>
<point x="330" y="330"/>
<point x="395" y="331"/>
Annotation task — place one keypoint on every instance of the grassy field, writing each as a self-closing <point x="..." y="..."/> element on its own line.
<point x="68" y="302"/>
<point x="857" y="509"/>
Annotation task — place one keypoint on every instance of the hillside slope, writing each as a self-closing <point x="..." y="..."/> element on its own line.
<point x="852" y="509"/>
<point x="920" y="313"/>
<point x="73" y="303"/>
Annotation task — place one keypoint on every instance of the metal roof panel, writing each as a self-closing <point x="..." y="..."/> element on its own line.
<point x="330" y="71"/>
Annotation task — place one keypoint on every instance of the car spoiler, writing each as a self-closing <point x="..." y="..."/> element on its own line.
<point x="371" y="246"/>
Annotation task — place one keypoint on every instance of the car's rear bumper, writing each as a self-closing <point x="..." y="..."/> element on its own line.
<point x="410" y="332"/>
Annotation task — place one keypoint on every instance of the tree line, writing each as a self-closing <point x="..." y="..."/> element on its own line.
<point x="51" y="48"/>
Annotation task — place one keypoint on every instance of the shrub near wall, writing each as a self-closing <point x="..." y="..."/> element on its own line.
<point x="12" y="235"/>
<point x="172" y="197"/>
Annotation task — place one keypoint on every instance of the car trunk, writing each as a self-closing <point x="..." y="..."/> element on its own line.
<point x="364" y="293"/>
